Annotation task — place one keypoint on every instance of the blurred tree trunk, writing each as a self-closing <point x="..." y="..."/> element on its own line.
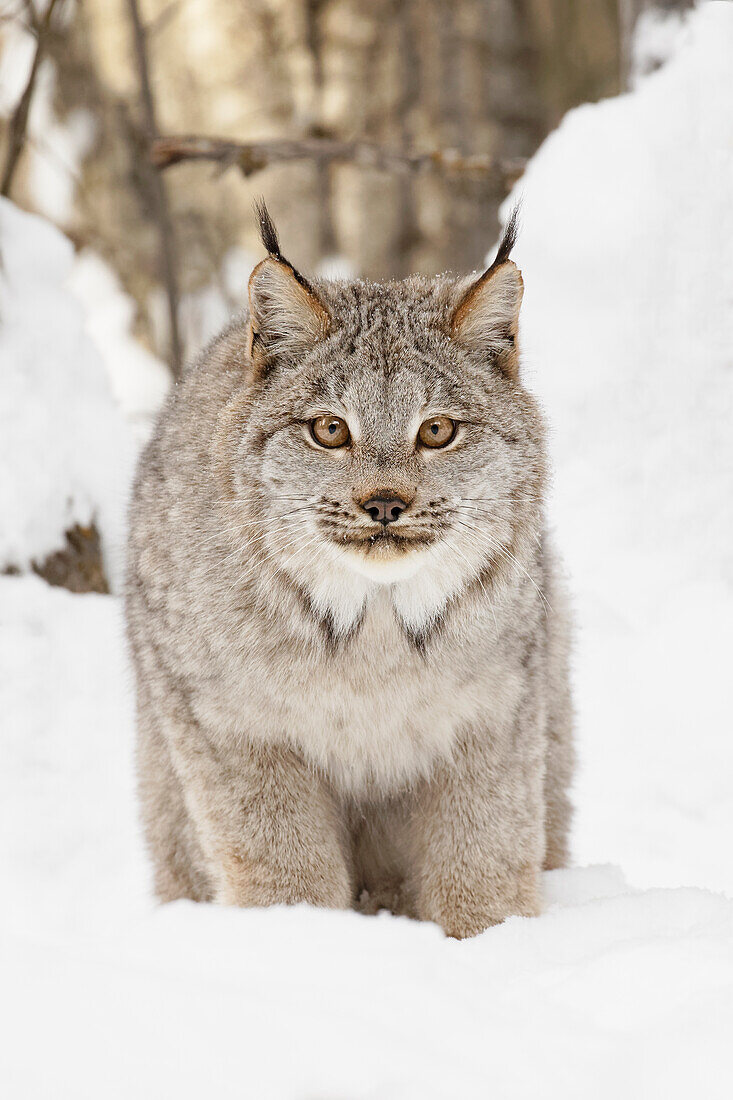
<point x="424" y="74"/>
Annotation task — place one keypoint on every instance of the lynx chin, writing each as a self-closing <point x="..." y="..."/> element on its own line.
<point x="349" y="637"/>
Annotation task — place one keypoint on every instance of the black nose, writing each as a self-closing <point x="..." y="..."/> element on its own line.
<point x="384" y="509"/>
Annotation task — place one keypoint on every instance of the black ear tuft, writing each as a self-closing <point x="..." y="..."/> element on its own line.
<point x="486" y="315"/>
<point x="268" y="233"/>
<point x="271" y="241"/>
<point x="508" y="240"/>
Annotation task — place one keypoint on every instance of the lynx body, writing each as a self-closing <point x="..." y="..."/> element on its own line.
<point x="351" y="648"/>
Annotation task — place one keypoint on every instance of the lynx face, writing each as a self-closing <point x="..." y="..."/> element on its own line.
<point x="386" y="434"/>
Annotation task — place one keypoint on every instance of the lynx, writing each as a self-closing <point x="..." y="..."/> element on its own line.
<point x="347" y="625"/>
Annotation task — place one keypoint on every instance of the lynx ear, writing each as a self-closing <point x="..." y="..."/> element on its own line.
<point x="487" y="315"/>
<point x="286" y="316"/>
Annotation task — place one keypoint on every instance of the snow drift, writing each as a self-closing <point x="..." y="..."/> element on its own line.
<point x="627" y="251"/>
<point x="66" y="452"/>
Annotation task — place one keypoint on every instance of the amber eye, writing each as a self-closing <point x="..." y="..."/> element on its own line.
<point x="437" y="431"/>
<point x="330" y="431"/>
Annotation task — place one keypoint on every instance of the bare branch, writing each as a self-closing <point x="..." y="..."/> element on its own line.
<point x="19" y="121"/>
<point x="158" y="193"/>
<point x="253" y="156"/>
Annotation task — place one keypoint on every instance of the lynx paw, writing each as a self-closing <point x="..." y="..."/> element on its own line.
<point x="465" y="909"/>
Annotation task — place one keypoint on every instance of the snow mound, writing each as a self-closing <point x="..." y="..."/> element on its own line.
<point x="139" y="380"/>
<point x="657" y="37"/>
<point x="68" y="819"/>
<point x="66" y="453"/>
<point x="626" y="247"/>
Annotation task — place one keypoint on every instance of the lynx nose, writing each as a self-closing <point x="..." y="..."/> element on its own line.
<point x="384" y="509"/>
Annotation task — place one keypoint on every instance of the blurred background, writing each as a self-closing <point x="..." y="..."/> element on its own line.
<point x="468" y="89"/>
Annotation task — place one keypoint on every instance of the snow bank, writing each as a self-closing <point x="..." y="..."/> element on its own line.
<point x="657" y="37"/>
<point x="70" y="844"/>
<point x="66" y="453"/>
<point x="138" y="379"/>
<point x="627" y="252"/>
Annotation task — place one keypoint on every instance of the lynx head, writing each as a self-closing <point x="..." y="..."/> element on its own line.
<point x="384" y="438"/>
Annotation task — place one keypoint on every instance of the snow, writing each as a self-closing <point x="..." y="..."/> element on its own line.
<point x="624" y="987"/>
<point x="657" y="37"/>
<point x="626" y="248"/>
<point x="66" y="452"/>
<point x="301" y="1003"/>
<point x="138" y="379"/>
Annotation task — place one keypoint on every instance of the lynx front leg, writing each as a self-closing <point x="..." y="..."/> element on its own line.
<point x="480" y="836"/>
<point x="268" y="827"/>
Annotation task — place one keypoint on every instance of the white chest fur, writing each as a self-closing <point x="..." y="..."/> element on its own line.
<point x="376" y="714"/>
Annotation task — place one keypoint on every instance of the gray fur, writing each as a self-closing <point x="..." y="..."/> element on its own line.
<point x="338" y="722"/>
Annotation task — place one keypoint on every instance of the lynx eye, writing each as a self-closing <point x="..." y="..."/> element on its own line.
<point x="330" y="431"/>
<point x="437" y="431"/>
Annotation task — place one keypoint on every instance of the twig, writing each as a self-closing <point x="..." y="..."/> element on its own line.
<point x="253" y="156"/>
<point x="159" y="195"/>
<point x="19" y="121"/>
